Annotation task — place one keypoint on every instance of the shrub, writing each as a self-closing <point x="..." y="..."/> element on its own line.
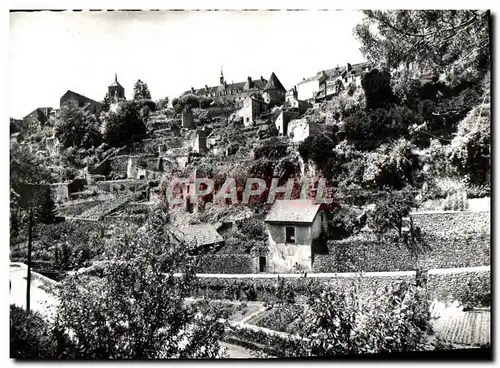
<point x="33" y="338"/>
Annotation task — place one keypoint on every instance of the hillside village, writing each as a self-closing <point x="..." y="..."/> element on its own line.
<point x="404" y="153"/>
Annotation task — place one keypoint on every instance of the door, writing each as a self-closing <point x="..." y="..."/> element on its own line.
<point x="262" y="264"/>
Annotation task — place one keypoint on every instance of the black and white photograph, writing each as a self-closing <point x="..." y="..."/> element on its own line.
<point x="250" y="184"/>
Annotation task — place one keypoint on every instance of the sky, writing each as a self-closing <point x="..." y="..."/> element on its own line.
<point x="172" y="51"/>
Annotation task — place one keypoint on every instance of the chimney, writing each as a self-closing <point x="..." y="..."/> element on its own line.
<point x="262" y="78"/>
<point x="348" y="67"/>
<point x="206" y="87"/>
<point x="192" y="90"/>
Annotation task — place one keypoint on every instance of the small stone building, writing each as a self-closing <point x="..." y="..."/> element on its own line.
<point x="283" y="119"/>
<point x="252" y="108"/>
<point x="298" y="130"/>
<point x="274" y="92"/>
<point x="292" y="226"/>
<point x="187" y="119"/>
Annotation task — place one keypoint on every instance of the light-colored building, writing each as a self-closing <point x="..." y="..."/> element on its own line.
<point x="292" y="227"/>
<point x="283" y="119"/>
<point x="313" y="88"/>
<point x="252" y="108"/>
<point x="199" y="142"/>
<point x="298" y="130"/>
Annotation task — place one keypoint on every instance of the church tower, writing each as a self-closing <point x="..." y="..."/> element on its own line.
<point x="221" y="77"/>
<point x="116" y="91"/>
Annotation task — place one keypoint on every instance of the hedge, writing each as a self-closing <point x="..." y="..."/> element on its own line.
<point x="274" y="289"/>
<point x="226" y="263"/>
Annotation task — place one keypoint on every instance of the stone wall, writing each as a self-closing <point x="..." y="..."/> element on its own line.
<point x="462" y="285"/>
<point x="456" y="239"/>
<point x="452" y="222"/>
<point x="227" y="263"/>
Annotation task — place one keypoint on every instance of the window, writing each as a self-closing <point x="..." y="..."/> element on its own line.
<point x="322" y="217"/>
<point x="248" y="119"/>
<point x="290" y="234"/>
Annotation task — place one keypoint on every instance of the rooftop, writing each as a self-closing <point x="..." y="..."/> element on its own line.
<point x="202" y="234"/>
<point x="295" y="210"/>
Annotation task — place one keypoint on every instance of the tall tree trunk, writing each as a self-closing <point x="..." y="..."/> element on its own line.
<point x="28" y="277"/>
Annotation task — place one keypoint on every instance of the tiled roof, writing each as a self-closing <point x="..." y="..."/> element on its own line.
<point x="258" y="84"/>
<point x="465" y="328"/>
<point x="295" y="210"/>
<point x="335" y="72"/>
<point x="201" y="234"/>
<point x="274" y="83"/>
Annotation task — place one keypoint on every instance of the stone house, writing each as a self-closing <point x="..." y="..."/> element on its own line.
<point x="38" y="116"/>
<point x="340" y="79"/>
<point x="313" y="88"/>
<point x="81" y="101"/>
<point x="307" y="88"/>
<point x="199" y="141"/>
<point x="187" y="119"/>
<point x="292" y="101"/>
<point x="283" y="119"/>
<point x="300" y="129"/>
<point x="292" y="227"/>
<point x="252" y="108"/>
<point x="274" y="92"/>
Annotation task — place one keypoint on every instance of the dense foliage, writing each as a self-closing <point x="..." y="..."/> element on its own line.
<point x="123" y="125"/>
<point x="77" y="127"/>
<point x="136" y="308"/>
<point x="141" y="91"/>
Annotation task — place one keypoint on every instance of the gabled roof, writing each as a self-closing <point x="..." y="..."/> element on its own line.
<point x="115" y="83"/>
<point x="294" y="210"/>
<point x="274" y="83"/>
<point x="256" y="84"/>
<point x="201" y="234"/>
<point x="81" y="97"/>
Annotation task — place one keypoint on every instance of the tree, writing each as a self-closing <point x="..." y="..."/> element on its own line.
<point x="163" y="103"/>
<point x="106" y="102"/>
<point x="470" y="149"/>
<point x="336" y="322"/>
<point x="76" y="127"/>
<point x="441" y="40"/>
<point x="377" y="87"/>
<point x="123" y="125"/>
<point x="31" y="337"/>
<point x="141" y="91"/>
<point x="391" y="222"/>
<point x="135" y="307"/>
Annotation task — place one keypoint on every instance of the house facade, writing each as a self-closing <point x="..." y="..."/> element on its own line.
<point x="252" y="108"/>
<point x="298" y="130"/>
<point x="283" y="119"/>
<point x="292" y="227"/>
<point x="237" y="92"/>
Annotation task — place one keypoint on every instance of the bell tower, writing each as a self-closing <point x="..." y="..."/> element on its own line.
<point x="221" y="79"/>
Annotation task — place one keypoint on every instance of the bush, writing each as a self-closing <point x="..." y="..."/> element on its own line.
<point x="33" y="338"/>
